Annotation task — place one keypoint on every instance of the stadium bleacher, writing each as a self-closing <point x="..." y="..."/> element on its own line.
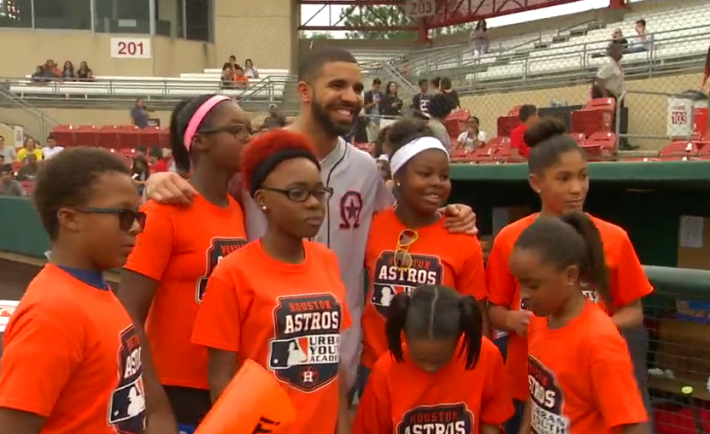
<point x="269" y="87"/>
<point x="550" y="53"/>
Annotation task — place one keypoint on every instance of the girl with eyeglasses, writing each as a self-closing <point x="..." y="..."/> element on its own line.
<point x="444" y="378"/>
<point x="408" y="245"/>
<point x="580" y="375"/>
<point x="279" y="300"/>
<point x="71" y="361"/>
<point x="559" y="174"/>
<point x="165" y="277"/>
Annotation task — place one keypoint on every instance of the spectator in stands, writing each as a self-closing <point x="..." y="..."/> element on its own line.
<point x="609" y="81"/>
<point x="68" y="73"/>
<point x="51" y="149"/>
<point x="249" y="69"/>
<point x="275" y="118"/>
<point x="51" y="70"/>
<point x="140" y="171"/>
<point x="227" y="76"/>
<point x="233" y="61"/>
<point x="30" y="148"/>
<point x="9" y="186"/>
<point x="38" y="76"/>
<point x="84" y="73"/>
<point x="372" y="109"/>
<point x="473" y="137"/>
<point x="440" y="108"/>
<point x="479" y="38"/>
<point x="436" y="82"/>
<point x="156" y="160"/>
<point x="241" y="81"/>
<point x="8" y="152"/>
<point x="447" y="88"/>
<point x="618" y="38"/>
<point x="420" y="100"/>
<point x="382" y="147"/>
<point x="643" y="41"/>
<point x="139" y="114"/>
<point x="528" y="117"/>
<point x="28" y="171"/>
<point x="391" y="103"/>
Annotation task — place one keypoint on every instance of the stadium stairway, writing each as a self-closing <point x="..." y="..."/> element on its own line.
<point x="35" y="122"/>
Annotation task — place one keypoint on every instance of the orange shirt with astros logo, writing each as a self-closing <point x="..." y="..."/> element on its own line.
<point x="72" y="356"/>
<point x="180" y="247"/>
<point x="627" y="279"/>
<point x="438" y="258"/>
<point x="286" y="317"/>
<point x="400" y="398"/>
<point x="581" y="377"/>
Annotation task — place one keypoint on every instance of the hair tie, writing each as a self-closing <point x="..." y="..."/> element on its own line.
<point x="199" y="116"/>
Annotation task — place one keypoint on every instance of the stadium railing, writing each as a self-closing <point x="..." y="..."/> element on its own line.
<point x="267" y="90"/>
<point x="670" y="49"/>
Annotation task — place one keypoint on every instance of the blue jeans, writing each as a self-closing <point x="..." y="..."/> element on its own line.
<point x="512" y="426"/>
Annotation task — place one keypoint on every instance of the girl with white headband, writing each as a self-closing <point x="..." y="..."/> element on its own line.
<point x="408" y="245"/>
<point x="165" y="276"/>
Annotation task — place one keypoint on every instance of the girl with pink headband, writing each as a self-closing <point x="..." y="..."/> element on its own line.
<point x="165" y="276"/>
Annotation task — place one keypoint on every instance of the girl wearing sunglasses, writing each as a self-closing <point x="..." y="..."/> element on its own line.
<point x="558" y="173"/>
<point x="71" y="361"/>
<point x="408" y="245"/>
<point x="165" y="277"/>
<point x="447" y="378"/>
<point x="580" y="374"/>
<point x="280" y="301"/>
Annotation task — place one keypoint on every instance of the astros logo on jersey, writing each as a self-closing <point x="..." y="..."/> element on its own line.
<point x="438" y="419"/>
<point x="305" y="351"/>
<point x="547" y="400"/>
<point x="127" y="406"/>
<point x="390" y="279"/>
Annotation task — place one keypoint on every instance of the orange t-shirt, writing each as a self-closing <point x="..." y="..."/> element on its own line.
<point x="581" y="377"/>
<point x="627" y="279"/>
<point x="402" y="399"/>
<point x="286" y="317"/>
<point x="73" y="357"/>
<point x="439" y="258"/>
<point x="180" y="247"/>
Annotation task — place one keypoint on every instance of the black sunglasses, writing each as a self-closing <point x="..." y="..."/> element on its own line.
<point x="300" y="194"/>
<point x="126" y="216"/>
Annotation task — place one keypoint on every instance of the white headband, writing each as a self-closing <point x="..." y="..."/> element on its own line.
<point x="411" y="149"/>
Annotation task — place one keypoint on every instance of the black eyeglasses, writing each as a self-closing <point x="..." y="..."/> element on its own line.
<point x="237" y="130"/>
<point x="126" y="216"/>
<point x="300" y="194"/>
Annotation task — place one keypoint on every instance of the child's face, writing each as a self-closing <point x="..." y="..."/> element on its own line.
<point x="107" y="233"/>
<point x="543" y="288"/>
<point x="430" y="355"/>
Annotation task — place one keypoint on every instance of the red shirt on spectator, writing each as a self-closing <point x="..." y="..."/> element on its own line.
<point x="517" y="140"/>
<point x="159" y="166"/>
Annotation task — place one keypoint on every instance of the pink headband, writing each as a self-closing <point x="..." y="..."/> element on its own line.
<point x="199" y="116"/>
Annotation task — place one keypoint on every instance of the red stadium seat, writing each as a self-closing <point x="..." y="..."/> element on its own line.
<point x="149" y="136"/>
<point x="455" y="123"/>
<point x="128" y="136"/>
<point x="601" y="144"/>
<point x="16" y="165"/>
<point x="108" y="136"/>
<point x="579" y="138"/>
<point x="682" y="149"/>
<point x="704" y="152"/>
<point x="85" y="135"/>
<point x="506" y="124"/>
<point x="64" y="135"/>
<point x="596" y="116"/>
<point x="164" y="138"/>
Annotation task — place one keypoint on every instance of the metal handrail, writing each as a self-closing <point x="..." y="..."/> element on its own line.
<point x="136" y="82"/>
<point x="444" y="55"/>
<point x="600" y="45"/>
